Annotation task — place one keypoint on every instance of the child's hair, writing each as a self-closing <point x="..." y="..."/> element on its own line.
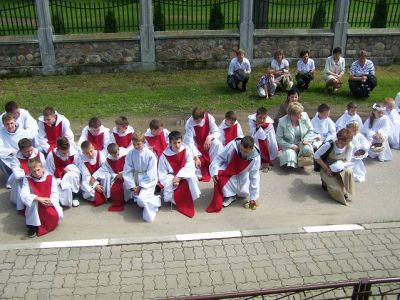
<point x="352" y="125"/>
<point x="24" y="143"/>
<point x="278" y="52"/>
<point x="231" y="116"/>
<point x="389" y="100"/>
<point x="62" y="143"/>
<point x="293" y="91"/>
<point x="48" y="111"/>
<point x="323" y="108"/>
<point x="261" y="111"/>
<point x="198" y="113"/>
<point x="11" y="106"/>
<point x="112" y="148"/>
<point x="33" y="162"/>
<point x="156" y="124"/>
<point x="94" y="122"/>
<point x="240" y="51"/>
<point x="175" y="135"/>
<point x="375" y="107"/>
<point x="247" y="142"/>
<point x="351" y="105"/>
<point x="345" y="135"/>
<point x="337" y="50"/>
<point x="138" y="136"/>
<point x="122" y="121"/>
<point x="85" y="145"/>
<point x="304" y="52"/>
<point x="7" y="117"/>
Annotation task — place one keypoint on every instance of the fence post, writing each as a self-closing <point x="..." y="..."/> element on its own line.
<point x="45" y="36"/>
<point x="246" y="27"/>
<point x="341" y="26"/>
<point x="147" y="43"/>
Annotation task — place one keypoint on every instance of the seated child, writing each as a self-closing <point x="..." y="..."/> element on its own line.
<point x="140" y="175"/>
<point x="19" y="167"/>
<point x="61" y="162"/>
<point x="177" y="174"/>
<point x="360" y="151"/>
<point x="394" y="118"/>
<point x="262" y="130"/>
<point x="236" y="173"/>
<point x="90" y="161"/>
<point x="111" y="175"/>
<point x="266" y="86"/>
<point x="348" y="116"/>
<point x="39" y="194"/>
<point x="156" y="137"/>
<point x="52" y="126"/>
<point x="122" y="134"/>
<point x="96" y="134"/>
<point x="230" y="128"/>
<point x="324" y="127"/>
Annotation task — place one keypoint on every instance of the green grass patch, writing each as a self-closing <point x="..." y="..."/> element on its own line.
<point x="163" y="94"/>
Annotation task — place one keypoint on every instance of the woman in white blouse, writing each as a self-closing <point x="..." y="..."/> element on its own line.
<point x="334" y="70"/>
<point x="305" y="70"/>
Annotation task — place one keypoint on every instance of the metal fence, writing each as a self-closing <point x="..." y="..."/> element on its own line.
<point x="361" y="13"/>
<point x="194" y="14"/>
<point x="293" y="13"/>
<point x="17" y="17"/>
<point x="365" y="289"/>
<point x="74" y="16"/>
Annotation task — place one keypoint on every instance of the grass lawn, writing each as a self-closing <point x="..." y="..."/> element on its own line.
<point x="169" y="94"/>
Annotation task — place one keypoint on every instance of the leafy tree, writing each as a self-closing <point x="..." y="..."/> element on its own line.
<point x="319" y="17"/>
<point x="58" y="24"/>
<point x="217" y="20"/>
<point x="158" y="18"/>
<point x="380" y="15"/>
<point x="110" y="22"/>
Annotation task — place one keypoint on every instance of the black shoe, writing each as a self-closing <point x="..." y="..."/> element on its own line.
<point x="157" y="190"/>
<point x="32" y="232"/>
<point x="323" y="186"/>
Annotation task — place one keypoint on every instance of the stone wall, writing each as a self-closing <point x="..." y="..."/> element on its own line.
<point x="17" y="55"/>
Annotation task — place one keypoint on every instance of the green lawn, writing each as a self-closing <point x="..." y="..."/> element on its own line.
<point x="162" y="94"/>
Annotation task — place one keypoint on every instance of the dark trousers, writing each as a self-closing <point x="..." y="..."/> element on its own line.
<point x="363" y="89"/>
<point x="303" y="80"/>
<point x="233" y="82"/>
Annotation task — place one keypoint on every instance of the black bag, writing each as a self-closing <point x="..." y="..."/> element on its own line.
<point x="324" y="156"/>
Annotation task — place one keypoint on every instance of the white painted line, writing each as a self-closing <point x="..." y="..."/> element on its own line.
<point x="208" y="235"/>
<point x="77" y="243"/>
<point x="326" y="228"/>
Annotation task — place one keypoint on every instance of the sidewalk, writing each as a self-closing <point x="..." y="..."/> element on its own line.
<point x="166" y="269"/>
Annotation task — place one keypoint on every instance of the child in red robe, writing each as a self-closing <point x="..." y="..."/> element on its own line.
<point x="230" y="128"/>
<point x="96" y="134"/>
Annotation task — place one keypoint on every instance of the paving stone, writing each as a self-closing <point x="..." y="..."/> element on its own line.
<point x="94" y="265"/>
<point x="205" y="278"/>
<point x="294" y="281"/>
<point x="178" y="292"/>
<point x="21" y="272"/>
<point x="50" y="267"/>
<point x="62" y="292"/>
<point x="202" y="290"/>
<point x="197" y="269"/>
<point x="58" y="281"/>
<point x="225" y="288"/>
<point x="85" y="290"/>
<point x="108" y="289"/>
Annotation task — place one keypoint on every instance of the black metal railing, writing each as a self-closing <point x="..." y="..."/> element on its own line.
<point x="293" y="13"/>
<point x="195" y="14"/>
<point x="17" y="17"/>
<point x="94" y="16"/>
<point x="361" y="13"/>
<point x="364" y="289"/>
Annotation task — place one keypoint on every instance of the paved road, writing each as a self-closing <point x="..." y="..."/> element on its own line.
<point x="158" y="270"/>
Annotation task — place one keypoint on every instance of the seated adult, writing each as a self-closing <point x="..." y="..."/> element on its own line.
<point x="334" y="70"/>
<point x="305" y="70"/>
<point x="280" y="65"/>
<point x="239" y="71"/>
<point x="337" y="178"/>
<point x="362" y="78"/>
<point x="294" y="136"/>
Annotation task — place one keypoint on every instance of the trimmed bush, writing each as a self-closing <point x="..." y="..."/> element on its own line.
<point x="217" y="20"/>
<point x="58" y="24"/>
<point x="158" y="17"/>
<point x="110" y="22"/>
<point x="380" y="15"/>
<point x="319" y="17"/>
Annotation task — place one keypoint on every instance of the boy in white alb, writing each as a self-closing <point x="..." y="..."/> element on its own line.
<point x="324" y="127"/>
<point x="40" y="196"/>
<point x="394" y="118"/>
<point x="361" y="146"/>
<point x="140" y="175"/>
<point x="22" y="117"/>
<point x="230" y="128"/>
<point x="177" y="174"/>
<point x="96" y="134"/>
<point x="89" y="162"/>
<point x="122" y="134"/>
<point x="202" y="137"/>
<point x="62" y="163"/>
<point x="110" y="174"/>
<point x="262" y="130"/>
<point x="236" y="173"/>
<point x="156" y="137"/>
<point x="19" y="167"/>
<point x="350" y="115"/>
<point x="52" y="126"/>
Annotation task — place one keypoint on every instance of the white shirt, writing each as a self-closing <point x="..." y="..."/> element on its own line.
<point x="25" y="121"/>
<point x="324" y="127"/>
<point x="236" y="65"/>
<point x="303" y="68"/>
<point x="279" y="66"/>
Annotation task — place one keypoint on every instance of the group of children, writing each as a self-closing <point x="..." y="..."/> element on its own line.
<point x="46" y="170"/>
